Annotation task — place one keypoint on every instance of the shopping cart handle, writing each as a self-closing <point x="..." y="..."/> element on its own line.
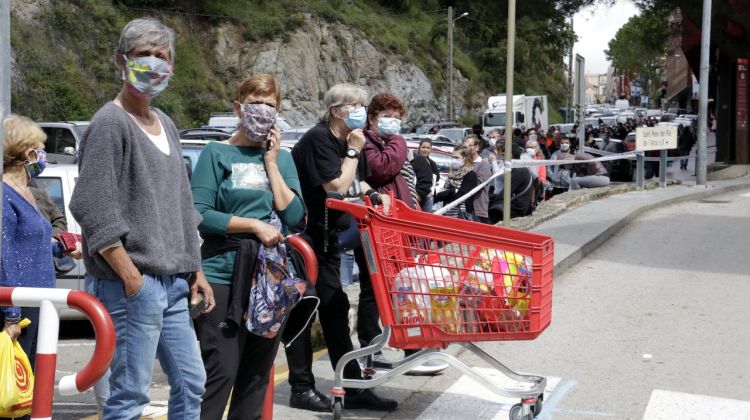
<point x="357" y="210"/>
<point x="308" y="256"/>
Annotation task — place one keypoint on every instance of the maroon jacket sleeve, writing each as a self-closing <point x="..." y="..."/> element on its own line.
<point x="385" y="164"/>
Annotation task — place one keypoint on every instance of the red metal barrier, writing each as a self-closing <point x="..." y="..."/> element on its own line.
<point x="50" y="301"/>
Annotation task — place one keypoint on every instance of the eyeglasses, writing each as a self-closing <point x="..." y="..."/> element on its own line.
<point x="350" y="106"/>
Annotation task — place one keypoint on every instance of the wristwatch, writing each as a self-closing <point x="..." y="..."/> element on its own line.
<point x="352" y="153"/>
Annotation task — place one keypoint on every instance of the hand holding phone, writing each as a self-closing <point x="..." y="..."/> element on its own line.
<point x="197" y="309"/>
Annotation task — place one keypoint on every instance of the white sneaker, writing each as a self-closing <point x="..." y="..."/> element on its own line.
<point x="430" y="367"/>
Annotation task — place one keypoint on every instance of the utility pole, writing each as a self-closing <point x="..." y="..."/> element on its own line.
<point x="451" y="24"/>
<point x="449" y="107"/>
<point x="568" y="118"/>
<point x="701" y="164"/>
<point x="509" y="109"/>
<point x="4" y="83"/>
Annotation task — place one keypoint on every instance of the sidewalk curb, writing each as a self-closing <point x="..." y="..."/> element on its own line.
<point x="588" y="247"/>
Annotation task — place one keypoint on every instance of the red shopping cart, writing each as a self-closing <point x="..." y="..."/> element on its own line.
<point x="440" y="281"/>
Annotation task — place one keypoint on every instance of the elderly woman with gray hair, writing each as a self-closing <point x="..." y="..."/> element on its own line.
<point x="140" y="241"/>
<point x="329" y="161"/>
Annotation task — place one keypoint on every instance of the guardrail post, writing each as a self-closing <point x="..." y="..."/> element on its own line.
<point x="49" y="301"/>
<point x="639" y="171"/>
<point x="46" y="360"/>
<point x="663" y="168"/>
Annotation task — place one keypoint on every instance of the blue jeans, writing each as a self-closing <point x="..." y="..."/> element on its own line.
<point x="427" y="204"/>
<point x="346" y="268"/>
<point x="152" y="323"/>
<point x="101" y="388"/>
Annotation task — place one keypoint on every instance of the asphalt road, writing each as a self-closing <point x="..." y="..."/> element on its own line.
<point x="653" y="322"/>
<point x="660" y="306"/>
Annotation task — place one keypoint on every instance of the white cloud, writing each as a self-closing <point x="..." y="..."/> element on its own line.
<point x="596" y="26"/>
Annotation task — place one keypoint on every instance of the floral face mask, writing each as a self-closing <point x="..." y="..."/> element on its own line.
<point x="258" y="120"/>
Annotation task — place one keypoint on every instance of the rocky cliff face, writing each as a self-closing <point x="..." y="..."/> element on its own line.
<point x="319" y="55"/>
<point x="307" y="60"/>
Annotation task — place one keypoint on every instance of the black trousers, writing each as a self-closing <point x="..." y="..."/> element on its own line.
<point x="334" y="319"/>
<point x="368" y="319"/>
<point x="237" y="362"/>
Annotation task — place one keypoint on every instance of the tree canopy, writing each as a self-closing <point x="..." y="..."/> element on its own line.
<point x="638" y="48"/>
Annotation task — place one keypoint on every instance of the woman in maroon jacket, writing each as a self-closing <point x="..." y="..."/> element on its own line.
<point x="385" y="149"/>
<point x="386" y="153"/>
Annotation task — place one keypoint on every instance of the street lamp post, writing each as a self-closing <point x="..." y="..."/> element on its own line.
<point x="451" y="22"/>
<point x="509" y="108"/>
<point x="701" y="165"/>
<point x="4" y="80"/>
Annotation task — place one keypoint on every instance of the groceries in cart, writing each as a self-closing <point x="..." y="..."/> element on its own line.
<point x="461" y="289"/>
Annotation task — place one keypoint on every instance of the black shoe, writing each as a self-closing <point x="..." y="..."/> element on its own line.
<point x="369" y="400"/>
<point x="311" y="400"/>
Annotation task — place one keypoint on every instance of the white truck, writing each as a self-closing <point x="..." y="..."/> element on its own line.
<point x="528" y="112"/>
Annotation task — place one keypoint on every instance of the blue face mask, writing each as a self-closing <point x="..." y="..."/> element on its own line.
<point x="357" y="117"/>
<point x="34" y="169"/>
<point x="389" y="126"/>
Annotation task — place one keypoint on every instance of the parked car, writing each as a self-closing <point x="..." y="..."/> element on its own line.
<point x="58" y="180"/>
<point x="227" y="121"/>
<point x="677" y="111"/>
<point x="290" y="137"/>
<point x="433" y="128"/>
<point x="441" y="158"/>
<point x="191" y="149"/>
<point x="438" y="142"/>
<point x="63" y="138"/>
<point x="565" y="129"/>
<point x="213" y="134"/>
<point x="455" y="134"/>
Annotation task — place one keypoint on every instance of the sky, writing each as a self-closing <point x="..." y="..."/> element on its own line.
<point x="595" y="27"/>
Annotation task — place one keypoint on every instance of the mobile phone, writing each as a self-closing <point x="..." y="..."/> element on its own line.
<point x="269" y="143"/>
<point x="197" y="309"/>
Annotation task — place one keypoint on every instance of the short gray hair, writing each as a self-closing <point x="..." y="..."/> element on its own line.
<point x="146" y="33"/>
<point x="495" y="131"/>
<point x="340" y="94"/>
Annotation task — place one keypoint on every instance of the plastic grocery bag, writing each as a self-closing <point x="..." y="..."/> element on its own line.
<point x="16" y="379"/>
<point x="413" y="286"/>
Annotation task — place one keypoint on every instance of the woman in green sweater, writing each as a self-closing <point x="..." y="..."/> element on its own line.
<point x="246" y="188"/>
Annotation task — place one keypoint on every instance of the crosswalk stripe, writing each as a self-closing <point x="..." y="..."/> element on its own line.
<point x="471" y="400"/>
<point x="667" y="405"/>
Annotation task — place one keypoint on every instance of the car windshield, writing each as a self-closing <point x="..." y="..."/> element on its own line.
<point x="190" y="154"/>
<point x="442" y="160"/>
<point x="455" y="134"/>
<point x="53" y="187"/>
<point x="494" y="119"/>
<point x="80" y="129"/>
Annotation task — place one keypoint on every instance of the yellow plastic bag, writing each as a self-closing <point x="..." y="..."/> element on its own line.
<point x="16" y="378"/>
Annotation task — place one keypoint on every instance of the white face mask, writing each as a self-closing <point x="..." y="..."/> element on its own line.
<point x="531" y="151"/>
<point x="493" y="142"/>
<point x="564" y="147"/>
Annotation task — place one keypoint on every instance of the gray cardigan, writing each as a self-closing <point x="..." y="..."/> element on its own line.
<point x="129" y="191"/>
